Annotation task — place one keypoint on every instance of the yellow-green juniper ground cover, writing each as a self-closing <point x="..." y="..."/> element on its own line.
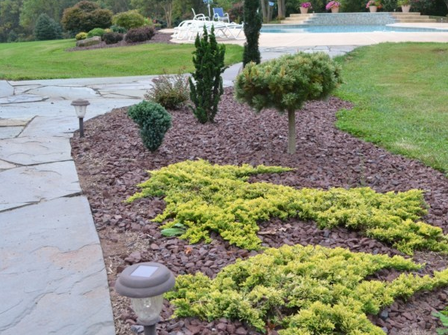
<point x="300" y="290"/>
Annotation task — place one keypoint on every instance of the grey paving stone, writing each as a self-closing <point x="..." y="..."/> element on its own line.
<point x="32" y="184"/>
<point x="38" y="150"/>
<point x="6" y="165"/>
<point x="67" y="92"/>
<point x="14" y="122"/>
<point x="22" y="98"/>
<point x="9" y="132"/>
<point x="53" y="279"/>
<point x="5" y="89"/>
<point x="46" y="126"/>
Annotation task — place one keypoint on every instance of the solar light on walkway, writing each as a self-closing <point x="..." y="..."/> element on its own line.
<point x="80" y="109"/>
<point x="145" y="284"/>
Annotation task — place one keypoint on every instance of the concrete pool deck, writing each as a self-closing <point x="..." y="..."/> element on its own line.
<point x="273" y="40"/>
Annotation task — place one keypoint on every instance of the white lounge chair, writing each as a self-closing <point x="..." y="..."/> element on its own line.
<point x="200" y="17"/>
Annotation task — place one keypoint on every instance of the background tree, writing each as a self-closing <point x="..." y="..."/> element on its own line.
<point x="9" y="18"/>
<point x="116" y="6"/>
<point x="252" y="26"/>
<point x="85" y="16"/>
<point x="31" y="9"/>
<point x="47" y="29"/>
<point x="130" y="19"/>
<point x="286" y="84"/>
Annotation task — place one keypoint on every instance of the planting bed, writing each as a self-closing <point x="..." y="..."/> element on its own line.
<point x="111" y="160"/>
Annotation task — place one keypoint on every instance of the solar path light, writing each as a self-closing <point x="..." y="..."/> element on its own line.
<point x="145" y="284"/>
<point x="80" y="109"/>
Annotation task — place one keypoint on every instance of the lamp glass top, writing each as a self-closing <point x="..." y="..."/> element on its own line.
<point x="144" y="271"/>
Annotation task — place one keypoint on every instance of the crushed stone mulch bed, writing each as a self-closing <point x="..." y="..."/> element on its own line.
<point x="111" y="160"/>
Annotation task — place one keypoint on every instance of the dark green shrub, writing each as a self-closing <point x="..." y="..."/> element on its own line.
<point x="206" y="82"/>
<point x="252" y="27"/>
<point x="47" y="29"/>
<point x="96" y="32"/>
<point x="153" y="120"/>
<point x="85" y="16"/>
<point x="170" y="91"/>
<point x="130" y="19"/>
<point x="286" y="83"/>
<point x="12" y="36"/>
<point x="118" y="29"/>
<point x="112" y="38"/>
<point x="139" y="34"/>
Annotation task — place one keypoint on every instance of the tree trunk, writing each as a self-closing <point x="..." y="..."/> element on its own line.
<point x="291" y="132"/>
<point x="264" y="10"/>
<point x="281" y="9"/>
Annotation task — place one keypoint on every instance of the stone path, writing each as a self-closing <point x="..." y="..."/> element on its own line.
<point x="52" y="273"/>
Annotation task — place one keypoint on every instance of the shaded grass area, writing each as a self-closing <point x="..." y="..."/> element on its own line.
<point x="400" y="95"/>
<point x="50" y="60"/>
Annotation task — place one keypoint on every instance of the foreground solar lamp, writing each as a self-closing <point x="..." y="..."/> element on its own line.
<point x="145" y="284"/>
<point x="80" y="109"/>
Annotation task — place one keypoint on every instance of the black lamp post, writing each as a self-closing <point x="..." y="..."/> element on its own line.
<point x="80" y="109"/>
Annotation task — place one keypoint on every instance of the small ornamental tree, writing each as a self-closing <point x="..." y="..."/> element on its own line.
<point x="46" y="29"/>
<point x="252" y="25"/>
<point x="287" y="83"/>
<point x="206" y="84"/>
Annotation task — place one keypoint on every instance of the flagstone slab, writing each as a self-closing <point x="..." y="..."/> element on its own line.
<point x="65" y="92"/>
<point x="36" y="150"/>
<point x="5" y="89"/>
<point x="52" y="271"/>
<point x="46" y="126"/>
<point x="9" y="132"/>
<point x="33" y="184"/>
<point x="6" y="165"/>
<point x="14" y="122"/>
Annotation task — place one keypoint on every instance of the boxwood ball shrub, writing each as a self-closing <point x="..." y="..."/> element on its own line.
<point x="300" y="290"/>
<point x="286" y="83"/>
<point x="81" y="36"/>
<point x="153" y="120"/>
<point x="112" y="37"/>
<point x="139" y="34"/>
<point x="96" y="32"/>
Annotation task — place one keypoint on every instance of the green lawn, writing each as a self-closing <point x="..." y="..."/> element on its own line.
<point x="49" y="60"/>
<point x="400" y="96"/>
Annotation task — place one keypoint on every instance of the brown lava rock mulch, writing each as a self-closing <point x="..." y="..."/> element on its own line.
<point x="111" y="160"/>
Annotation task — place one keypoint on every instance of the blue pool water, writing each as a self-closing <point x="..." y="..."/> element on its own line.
<point x="346" y="29"/>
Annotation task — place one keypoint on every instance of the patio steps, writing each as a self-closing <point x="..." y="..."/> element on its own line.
<point x="297" y="19"/>
<point x="412" y="17"/>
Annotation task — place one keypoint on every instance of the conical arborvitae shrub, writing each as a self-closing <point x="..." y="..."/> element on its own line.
<point x="206" y="82"/>
<point x="252" y="26"/>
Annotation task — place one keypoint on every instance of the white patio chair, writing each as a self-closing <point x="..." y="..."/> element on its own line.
<point x="219" y="15"/>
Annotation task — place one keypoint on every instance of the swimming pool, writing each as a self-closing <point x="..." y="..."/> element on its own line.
<point x="347" y="29"/>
